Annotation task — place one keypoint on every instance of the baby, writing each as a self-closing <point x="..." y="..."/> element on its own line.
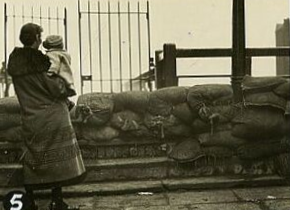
<point x="60" y="63"/>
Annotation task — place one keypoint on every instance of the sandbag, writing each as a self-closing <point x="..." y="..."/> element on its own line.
<point x="159" y="107"/>
<point x="260" y="91"/>
<point x="8" y="120"/>
<point x="218" y="152"/>
<point x="142" y="133"/>
<point x="225" y="112"/>
<point x="208" y="95"/>
<point x="137" y="101"/>
<point x="186" y="151"/>
<point x="183" y="112"/>
<point x="268" y="98"/>
<point x="171" y="95"/>
<point x="9" y="105"/>
<point x="261" y="83"/>
<point x="283" y="90"/>
<point x="161" y="101"/>
<point x="262" y="149"/>
<point x="198" y="126"/>
<point x="101" y="105"/>
<point x="258" y="123"/>
<point x="104" y="133"/>
<point x="221" y="139"/>
<point x="126" y="120"/>
<point x="166" y="126"/>
<point x="14" y="134"/>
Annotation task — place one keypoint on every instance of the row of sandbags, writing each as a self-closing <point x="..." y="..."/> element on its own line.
<point x="166" y="113"/>
<point x="175" y="113"/>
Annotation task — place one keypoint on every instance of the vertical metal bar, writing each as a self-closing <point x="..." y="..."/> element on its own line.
<point x="65" y="28"/>
<point x="57" y="21"/>
<point x="5" y="50"/>
<point x="110" y="46"/>
<point x="32" y="14"/>
<point x="49" y="21"/>
<point x="169" y="65"/>
<point x="130" y="47"/>
<point x="40" y="16"/>
<point x="100" y="46"/>
<point x="139" y="46"/>
<point x="239" y="52"/>
<point x="120" y="47"/>
<point x="90" y="42"/>
<point x="80" y="47"/>
<point x="149" y="43"/>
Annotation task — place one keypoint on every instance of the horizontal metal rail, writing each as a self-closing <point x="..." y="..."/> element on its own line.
<point x="204" y="76"/>
<point x="118" y="80"/>
<point x="227" y="52"/>
<point x="188" y="53"/>
<point x="114" y="13"/>
<point x="277" y="51"/>
<point x="35" y="17"/>
<point x="219" y="52"/>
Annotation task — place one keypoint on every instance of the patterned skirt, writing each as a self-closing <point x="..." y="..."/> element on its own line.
<point x="52" y="152"/>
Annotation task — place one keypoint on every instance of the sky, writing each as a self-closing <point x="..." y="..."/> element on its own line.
<point x="186" y="23"/>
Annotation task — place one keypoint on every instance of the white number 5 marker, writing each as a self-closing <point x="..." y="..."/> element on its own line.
<point x="16" y="202"/>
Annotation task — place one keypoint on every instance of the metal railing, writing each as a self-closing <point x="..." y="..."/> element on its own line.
<point x="52" y="20"/>
<point x="109" y="45"/>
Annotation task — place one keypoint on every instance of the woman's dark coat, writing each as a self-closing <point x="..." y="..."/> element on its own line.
<point x="53" y="154"/>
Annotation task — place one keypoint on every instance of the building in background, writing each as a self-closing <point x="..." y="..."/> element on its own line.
<point x="282" y="40"/>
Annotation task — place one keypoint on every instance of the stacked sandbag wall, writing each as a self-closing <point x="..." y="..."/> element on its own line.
<point x="201" y="120"/>
<point x="167" y="113"/>
<point x="203" y="113"/>
<point x="10" y="120"/>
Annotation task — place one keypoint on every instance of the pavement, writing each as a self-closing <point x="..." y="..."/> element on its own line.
<point x="262" y="198"/>
<point x="212" y="193"/>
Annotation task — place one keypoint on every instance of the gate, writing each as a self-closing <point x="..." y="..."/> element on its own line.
<point x="114" y="42"/>
<point x="53" y="21"/>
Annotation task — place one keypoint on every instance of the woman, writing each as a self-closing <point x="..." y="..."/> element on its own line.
<point x="53" y="157"/>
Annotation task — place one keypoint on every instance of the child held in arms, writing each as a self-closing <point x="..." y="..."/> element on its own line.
<point x="60" y="64"/>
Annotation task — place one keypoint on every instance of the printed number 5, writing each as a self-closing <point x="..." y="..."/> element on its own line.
<point x="18" y="203"/>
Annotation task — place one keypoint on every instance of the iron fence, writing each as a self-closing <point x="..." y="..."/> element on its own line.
<point x="52" y="20"/>
<point x="114" y="42"/>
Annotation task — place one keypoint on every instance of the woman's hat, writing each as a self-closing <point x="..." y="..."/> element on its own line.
<point x="53" y="41"/>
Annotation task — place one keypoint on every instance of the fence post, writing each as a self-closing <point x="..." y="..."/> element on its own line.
<point x="239" y="52"/>
<point x="169" y="65"/>
<point x="65" y="28"/>
<point x="6" y="92"/>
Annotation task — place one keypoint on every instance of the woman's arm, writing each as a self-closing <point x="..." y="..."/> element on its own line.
<point x="55" y="86"/>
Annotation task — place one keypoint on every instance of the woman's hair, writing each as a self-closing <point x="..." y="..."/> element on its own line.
<point x="28" y="33"/>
